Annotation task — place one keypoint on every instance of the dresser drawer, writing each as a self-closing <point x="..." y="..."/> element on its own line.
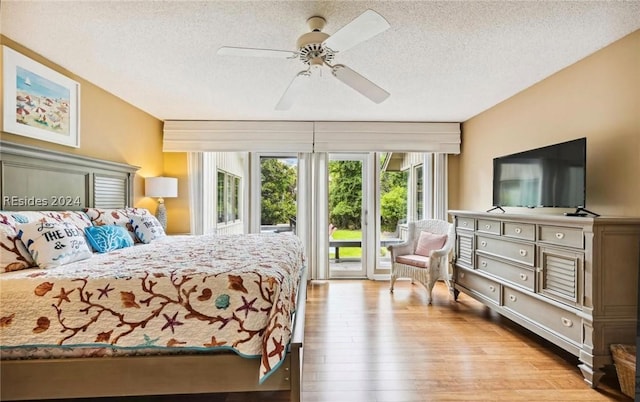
<point x="524" y="231"/>
<point x="466" y="223"/>
<point x="479" y="285"/>
<point x="489" y="226"/>
<point x="562" y="236"/>
<point x="516" y="275"/>
<point x="555" y="319"/>
<point x="521" y="252"/>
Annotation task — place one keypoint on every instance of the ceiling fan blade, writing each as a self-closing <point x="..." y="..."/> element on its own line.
<point x="365" y="26"/>
<point x="359" y="83"/>
<point x="297" y="85"/>
<point x="251" y="52"/>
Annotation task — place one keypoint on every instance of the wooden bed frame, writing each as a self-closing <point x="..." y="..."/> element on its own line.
<point x="32" y="173"/>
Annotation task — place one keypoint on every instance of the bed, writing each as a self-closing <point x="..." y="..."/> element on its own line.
<point x="218" y="314"/>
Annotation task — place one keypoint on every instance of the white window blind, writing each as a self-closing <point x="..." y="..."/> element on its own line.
<point x="243" y="136"/>
<point x="306" y="136"/>
<point x="387" y="137"/>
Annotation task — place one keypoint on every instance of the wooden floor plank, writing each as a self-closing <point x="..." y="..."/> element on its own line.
<point x="365" y="344"/>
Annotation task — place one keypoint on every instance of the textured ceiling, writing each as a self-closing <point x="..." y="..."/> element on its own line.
<point x="441" y="61"/>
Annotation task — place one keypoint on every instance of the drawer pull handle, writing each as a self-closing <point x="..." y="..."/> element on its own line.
<point x="492" y="288"/>
<point x="487" y="226"/>
<point x="523" y="277"/>
<point x="464" y="223"/>
<point x="483" y="243"/>
<point x="567" y="322"/>
<point x="523" y="252"/>
<point x="512" y="298"/>
<point x="560" y="235"/>
<point x="461" y="274"/>
<point x="483" y="263"/>
<point x="518" y="230"/>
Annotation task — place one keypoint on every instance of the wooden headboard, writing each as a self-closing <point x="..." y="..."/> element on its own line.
<point x="38" y="179"/>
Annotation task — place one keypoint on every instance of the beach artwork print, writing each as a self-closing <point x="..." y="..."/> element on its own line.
<point x="39" y="102"/>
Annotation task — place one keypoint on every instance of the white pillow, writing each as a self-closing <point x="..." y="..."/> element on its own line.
<point x="13" y="254"/>
<point x="146" y="227"/>
<point x="52" y="244"/>
<point x="428" y="242"/>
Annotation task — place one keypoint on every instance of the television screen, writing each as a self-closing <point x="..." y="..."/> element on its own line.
<point x="551" y="176"/>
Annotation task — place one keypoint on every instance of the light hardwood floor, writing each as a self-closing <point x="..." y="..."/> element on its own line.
<point x="364" y="344"/>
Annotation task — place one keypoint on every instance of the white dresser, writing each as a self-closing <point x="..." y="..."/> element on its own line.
<point x="571" y="280"/>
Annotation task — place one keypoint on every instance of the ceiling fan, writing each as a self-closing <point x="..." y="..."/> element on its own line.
<point x="317" y="49"/>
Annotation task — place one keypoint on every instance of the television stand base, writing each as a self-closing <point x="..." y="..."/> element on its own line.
<point x="496" y="207"/>
<point x="581" y="212"/>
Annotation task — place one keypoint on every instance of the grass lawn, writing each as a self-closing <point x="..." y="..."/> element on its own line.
<point x="350" y="252"/>
<point x="345" y="234"/>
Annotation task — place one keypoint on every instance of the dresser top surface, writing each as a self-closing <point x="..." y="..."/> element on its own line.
<point x="558" y="219"/>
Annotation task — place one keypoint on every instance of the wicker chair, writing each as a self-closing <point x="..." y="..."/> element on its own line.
<point x="407" y="263"/>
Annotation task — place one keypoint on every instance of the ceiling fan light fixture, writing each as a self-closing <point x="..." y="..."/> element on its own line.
<point x="311" y="38"/>
<point x="316" y="23"/>
<point x="317" y="48"/>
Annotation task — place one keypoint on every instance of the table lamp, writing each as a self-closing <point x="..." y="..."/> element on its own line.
<point x="161" y="188"/>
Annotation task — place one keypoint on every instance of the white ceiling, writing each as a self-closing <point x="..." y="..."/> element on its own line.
<point x="441" y="61"/>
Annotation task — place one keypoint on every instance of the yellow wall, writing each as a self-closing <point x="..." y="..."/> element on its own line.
<point x="110" y="129"/>
<point x="597" y="97"/>
<point x="175" y="165"/>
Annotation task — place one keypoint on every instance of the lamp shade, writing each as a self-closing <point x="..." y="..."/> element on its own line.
<point x="162" y="187"/>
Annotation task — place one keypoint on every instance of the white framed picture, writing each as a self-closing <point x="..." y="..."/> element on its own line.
<point x="39" y="102"/>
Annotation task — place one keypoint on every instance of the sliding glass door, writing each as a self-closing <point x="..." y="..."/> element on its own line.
<point x="347" y="200"/>
<point x="392" y="193"/>
<point x="346" y="207"/>
<point x="278" y="193"/>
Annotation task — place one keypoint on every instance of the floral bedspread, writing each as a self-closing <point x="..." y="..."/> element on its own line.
<point x="234" y="292"/>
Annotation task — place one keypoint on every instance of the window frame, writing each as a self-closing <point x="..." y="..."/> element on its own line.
<point x="228" y="209"/>
<point x="419" y="186"/>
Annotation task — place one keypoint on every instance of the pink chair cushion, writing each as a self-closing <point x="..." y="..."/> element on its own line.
<point x="427" y="242"/>
<point x="419" y="261"/>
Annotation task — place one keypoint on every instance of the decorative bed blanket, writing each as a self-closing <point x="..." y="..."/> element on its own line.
<point x="233" y="292"/>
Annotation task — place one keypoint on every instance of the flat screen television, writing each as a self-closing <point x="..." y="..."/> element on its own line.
<point x="551" y="176"/>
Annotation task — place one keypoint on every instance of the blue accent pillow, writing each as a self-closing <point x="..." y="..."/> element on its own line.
<point x="108" y="237"/>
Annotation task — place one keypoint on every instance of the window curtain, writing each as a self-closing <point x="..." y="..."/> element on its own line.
<point x="209" y="209"/>
<point x="440" y="186"/>
<point x="305" y="204"/>
<point x="202" y="191"/>
<point x="196" y="192"/>
<point x="320" y="215"/>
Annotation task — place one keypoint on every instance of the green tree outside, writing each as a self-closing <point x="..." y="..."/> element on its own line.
<point x="345" y="194"/>
<point x="393" y="199"/>
<point x="393" y="208"/>
<point x="278" y="181"/>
